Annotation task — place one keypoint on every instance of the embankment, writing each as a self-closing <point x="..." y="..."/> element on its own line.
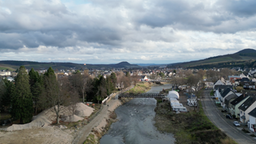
<point x="112" y="104"/>
<point x="191" y="128"/>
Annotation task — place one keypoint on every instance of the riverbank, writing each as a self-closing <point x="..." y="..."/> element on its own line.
<point x="141" y="87"/>
<point x="192" y="127"/>
<point x="106" y="117"/>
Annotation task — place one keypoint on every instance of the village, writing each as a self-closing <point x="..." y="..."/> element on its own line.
<point x="232" y="91"/>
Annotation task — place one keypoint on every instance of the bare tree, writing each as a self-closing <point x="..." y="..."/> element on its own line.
<point x="176" y="81"/>
<point x="194" y="80"/>
<point x="225" y="72"/>
<point x="213" y="75"/>
<point x="52" y="95"/>
<point x="201" y="73"/>
<point x="80" y="82"/>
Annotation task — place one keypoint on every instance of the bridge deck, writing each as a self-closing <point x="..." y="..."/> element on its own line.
<point x="143" y="95"/>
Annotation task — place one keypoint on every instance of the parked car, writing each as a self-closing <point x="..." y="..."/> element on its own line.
<point x="228" y="116"/>
<point x="236" y="123"/>
<point x="223" y="110"/>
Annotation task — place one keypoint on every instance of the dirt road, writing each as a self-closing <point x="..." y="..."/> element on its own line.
<point x="104" y="113"/>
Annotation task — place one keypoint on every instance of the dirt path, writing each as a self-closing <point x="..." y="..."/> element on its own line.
<point x="104" y="113"/>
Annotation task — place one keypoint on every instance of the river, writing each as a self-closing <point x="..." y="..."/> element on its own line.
<point x="135" y="123"/>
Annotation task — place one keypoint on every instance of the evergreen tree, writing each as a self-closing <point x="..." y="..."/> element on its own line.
<point x="33" y="77"/>
<point x="22" y="104"/>
<point x="2" y="91"/>
<point x="36" y="87"/>
<point x="113" y="80"/>
<point x="6" y="91"/>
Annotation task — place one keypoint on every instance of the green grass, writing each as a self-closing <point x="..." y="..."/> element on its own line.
<point x="140" y="88"/>
<point x="91" y="140"/>
<point x="211" y="61"/>
<point x="191" y="127"/>
<point x="5" y="67"/>
<point x="212" y="93"/>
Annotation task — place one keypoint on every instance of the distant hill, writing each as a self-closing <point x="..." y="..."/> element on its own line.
<point x="13" y="65"/>
<point x="243" y="58"/>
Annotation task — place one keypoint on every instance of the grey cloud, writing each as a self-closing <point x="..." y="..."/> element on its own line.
<point x="243" y="8"/>
<point x="48" y="24"/>
<point x="180" y="14"/>
<point x="53" y="25"/>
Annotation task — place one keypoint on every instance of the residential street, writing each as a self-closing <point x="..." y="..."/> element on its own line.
<point x="225" y="125"/>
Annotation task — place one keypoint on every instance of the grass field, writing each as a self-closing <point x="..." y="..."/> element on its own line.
<point x="141" y="87"/>
<point x="3" y="67"/>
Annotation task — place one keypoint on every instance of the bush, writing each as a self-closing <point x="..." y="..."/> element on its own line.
<point x="239" y="88"/>
<point x="212" y="93"/>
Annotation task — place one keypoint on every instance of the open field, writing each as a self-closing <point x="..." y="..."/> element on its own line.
<point x="11" y="68"/>
<point x="141" y="87"/>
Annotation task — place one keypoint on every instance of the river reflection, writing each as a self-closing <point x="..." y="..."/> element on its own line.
<point x="136" y="125"/>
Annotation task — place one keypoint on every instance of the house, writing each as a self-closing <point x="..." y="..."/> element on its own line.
<point x="242" y="81"/>
<point x="144" y="78"/>
<point x="245" y="108"/>
<point x="228" y="99"/>
<point x="219" y="82"/>
<point x="252" y="120"/>
<point x="222" y="87"/>
<point x="233" y="109"/>
<point x="209" y="84"/>
<point x="5" y="73"/>
<point x="11" y="79"/>
<point x="249" y="85"/>
<point x="242" y="75"/>
<point x="252" y="73"/>
<point x="228" y="83"/>
<point x="224" y="93"/>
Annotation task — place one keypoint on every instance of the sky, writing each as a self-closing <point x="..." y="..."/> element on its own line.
<point x="137" y="31"/>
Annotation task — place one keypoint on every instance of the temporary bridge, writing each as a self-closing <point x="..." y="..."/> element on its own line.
<point x="143" y="95"/>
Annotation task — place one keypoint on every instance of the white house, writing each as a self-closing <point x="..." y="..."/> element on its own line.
<point x="245" y="108"/>
<point x="209" y="84"/>
<point x="219" y="82"/>
<point x="224" y="94"/>
<point x="252" y="120"/>
<point x="228" y="82"/>
<point x="5" y="73"/>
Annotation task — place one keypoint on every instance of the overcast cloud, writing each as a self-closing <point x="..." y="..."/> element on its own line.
<point x="137" y="31"/>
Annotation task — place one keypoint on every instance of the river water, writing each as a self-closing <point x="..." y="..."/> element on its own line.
<point x="135" y="123"/>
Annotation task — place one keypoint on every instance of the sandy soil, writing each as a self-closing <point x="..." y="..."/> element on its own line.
<point x="46" y="135"/>
<point x="40" y="129"/>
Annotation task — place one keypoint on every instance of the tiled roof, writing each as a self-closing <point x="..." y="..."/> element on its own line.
<point x="247" y="103"/>
<point x="225" y="92"/>
<point x="222" y="86"/>
<point x="253" y="113"/>
<point x="239" y="99"/>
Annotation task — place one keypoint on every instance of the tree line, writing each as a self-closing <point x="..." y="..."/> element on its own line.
<point x="194" y="79"/>
<point x="32" y="93"/>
